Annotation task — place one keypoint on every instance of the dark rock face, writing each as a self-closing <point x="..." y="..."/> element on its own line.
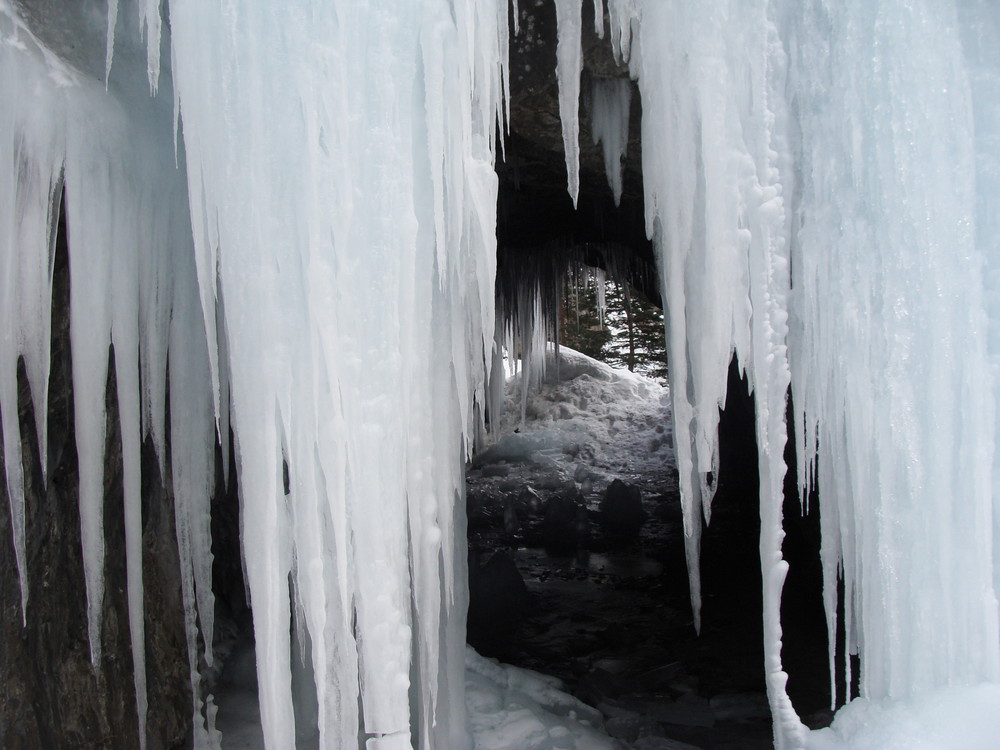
<point x="51" y="696"/>
<point x="535" y="214"/>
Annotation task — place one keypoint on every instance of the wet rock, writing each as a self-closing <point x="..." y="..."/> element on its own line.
<point x="564" y="524"/>
<point x="740" y="706"/>
<point x="529" y="499"/>
<point x="497" y="599"/>
<point x="624" y="727"/>
<point x="661" y="743"/>
<point x="621" y="510"/>
<point x="511" y="517"/>
<point x="688" y="711"/>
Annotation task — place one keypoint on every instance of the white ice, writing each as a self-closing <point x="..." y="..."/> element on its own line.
<point x="820" y="183"/>
<point x="610" y="100"/>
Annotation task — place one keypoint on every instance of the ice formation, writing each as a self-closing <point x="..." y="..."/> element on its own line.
<point x="610" y="99"/>
<point x="307" y="188"/>
<point x="810" y="183"/>
<point x="191" y="242"/>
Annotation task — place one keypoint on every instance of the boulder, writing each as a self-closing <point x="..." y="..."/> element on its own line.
<point x="621" y="510"/>
<point x="564" y="524"/>
<point x="497" y="600"/>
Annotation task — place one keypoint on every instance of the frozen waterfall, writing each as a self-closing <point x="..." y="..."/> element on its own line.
<point x="264" y="198"/>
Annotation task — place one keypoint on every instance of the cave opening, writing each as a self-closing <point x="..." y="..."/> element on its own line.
<point x="552" y="589"/>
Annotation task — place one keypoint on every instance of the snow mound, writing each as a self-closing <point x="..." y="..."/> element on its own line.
<point x="966" y="718"/>
<point x="586" y="422"/>
<point x="516" y="709"/>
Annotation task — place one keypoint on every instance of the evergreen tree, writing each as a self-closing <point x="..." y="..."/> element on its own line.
<point x="630" y="335"/>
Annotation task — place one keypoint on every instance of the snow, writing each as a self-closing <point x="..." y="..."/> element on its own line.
<point x="588" y="422"/>
<point x="509" y="708"/>
<point x="964" y="718"/>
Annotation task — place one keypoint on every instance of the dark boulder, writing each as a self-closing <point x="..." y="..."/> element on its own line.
<point x="565" y="526"/>
<point x="497" y="601"/>
<point x="621" y="510"/>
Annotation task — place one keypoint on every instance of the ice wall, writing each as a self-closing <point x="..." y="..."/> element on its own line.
<point x="810" y="176"/>
<point x="889" y="281"/>
<point x="298" y="214"/>
<point x="357" y="274"/>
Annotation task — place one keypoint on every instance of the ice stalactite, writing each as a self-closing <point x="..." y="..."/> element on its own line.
<point x="313" y="249"/>
<point x="108" y="146"/>
<point x="610" y="100"/>
<point x="31" y="159"/>
<point x="711" y="133"/>
<point x="357" y="273"/>
<point x="761" y="156"/>
<point x="529" y="297"/>
<point x="599" y="18"/>
<point x="888" y="280"/>
<point x="569" y="66"/>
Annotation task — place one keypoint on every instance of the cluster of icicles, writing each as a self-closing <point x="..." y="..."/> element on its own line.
<point x="294" y="224"/>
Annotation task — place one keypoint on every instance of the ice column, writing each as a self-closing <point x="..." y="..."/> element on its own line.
<point x="610" y="100"/>
<point x="109" y="146"/>
<point x="340" y="159"/>
<point x="888" y="284"/>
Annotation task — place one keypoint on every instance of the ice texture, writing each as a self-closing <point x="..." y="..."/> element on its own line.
<point x="385" y="120"/>
<point x="889" y="282"/>
<point x="610" y="100"/>
<point x="569" y="66"/>
<point x="262" y="201"/>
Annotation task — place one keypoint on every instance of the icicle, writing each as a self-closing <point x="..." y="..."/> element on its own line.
<point x="715" y="212"/>
<point x="110" y="52"/>
<point x="610" y="102"/>
<point x="888" y="254"/>
<point x="622" y="14"/>
<point x="569" y="66"/>
<point x="374" y="452"/>
<point x="30" y="164"/>
<point x="599" y="18"/>
<point x="601" y="287"/>
<point x="150" y="23"/>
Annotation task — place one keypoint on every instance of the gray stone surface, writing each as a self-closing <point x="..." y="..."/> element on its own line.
<point x="50" y="695"/>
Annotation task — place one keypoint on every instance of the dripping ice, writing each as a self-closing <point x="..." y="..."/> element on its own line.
<point x="849" y="257"/>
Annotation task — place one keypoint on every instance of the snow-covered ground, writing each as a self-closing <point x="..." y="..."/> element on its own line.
<point x="509" y="709"/>
<point x="587" y="423"/>
<point x="966" y="718"/>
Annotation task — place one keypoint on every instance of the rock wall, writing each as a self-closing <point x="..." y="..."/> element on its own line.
<point x="51" y="696"/>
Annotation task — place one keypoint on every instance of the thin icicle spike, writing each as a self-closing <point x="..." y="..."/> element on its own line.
<point x="110" y="51"/>
<point x="599" y="18"/>
<point x="569" y="66"/>
<point x="610" y="102"/>
<point x="150" y="25"/>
